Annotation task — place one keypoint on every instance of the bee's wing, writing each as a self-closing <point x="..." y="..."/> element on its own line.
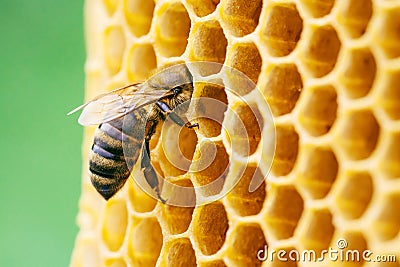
<point x="117" y="103"/>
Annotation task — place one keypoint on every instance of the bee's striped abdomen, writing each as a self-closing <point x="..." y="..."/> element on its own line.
<point x="116" y="143"/>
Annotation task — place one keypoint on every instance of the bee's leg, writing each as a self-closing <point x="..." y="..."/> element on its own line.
<point x="175" y="117"/>
<point x="149" y="173"/>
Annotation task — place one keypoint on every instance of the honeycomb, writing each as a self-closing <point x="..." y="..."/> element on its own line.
<point x="330" y="72"/>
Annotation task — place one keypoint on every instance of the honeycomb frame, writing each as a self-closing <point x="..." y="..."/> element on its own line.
<point x="329" y="71"/>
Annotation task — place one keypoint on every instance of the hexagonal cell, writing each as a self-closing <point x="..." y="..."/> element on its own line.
<point x="318" y="230"/>
<point x="178" y="191"/>
<point x="243" y="125"/>
<point x="282" y="88"/>
<point x="284" y="207"/>
<point x="319" y="110"/>
<point x="287" y="145"/>
<point x="139" y="200"/>
<point x="387" y="32"/>
<point x="111" y="6"/>
<point x="172" y="29"/>
<point x="114" y="224"/>
<point x="115" y="263"/>
<point x="209" y="103"/>
<point x="215" y="263"/>
<point x="244" y="244"/>
<point x="320" y="55"/>
<point x="145" y="242"/>
<point x="282" y="30"/>
<point x="318" y="8"/>
<point x="176" y="149"/>
<point x="141" y="62"/>
<point x="359" y="134"/>
<point x="114" y="47"/>
<point x="210" y="167"/>
<point x="318" y="171"/>
<point x="207" y="42"/>
<point x="210" y="223"/>
<point x="389" y="163"/>
<point x="241" y="199"/>
<point x="354" y="15"/>
<point x="176" y="219"/>
<point x="240" y="17"/>
<point x="138" y="15"/>
<point x="389" y="98"/>
<point x="246" y="58"/>
<point x="203" y="7"/>
<point x="387" y="224"/>
<point x="355" y="193"/>
<point x="353" y="252"/>
<point x="179" y="253"/>
<point x="359" y="72"/>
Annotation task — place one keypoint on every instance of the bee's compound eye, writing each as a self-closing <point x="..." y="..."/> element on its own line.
<point x="177" y="90"/>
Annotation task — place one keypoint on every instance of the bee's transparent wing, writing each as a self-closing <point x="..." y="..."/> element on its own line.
<point x="117" y="103"/>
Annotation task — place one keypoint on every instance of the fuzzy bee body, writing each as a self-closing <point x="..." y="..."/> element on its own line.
<point x="128" y="117"/>
<point x="108" y="164"/>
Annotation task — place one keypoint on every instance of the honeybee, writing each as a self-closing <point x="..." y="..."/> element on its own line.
<point x="127" y="119"/>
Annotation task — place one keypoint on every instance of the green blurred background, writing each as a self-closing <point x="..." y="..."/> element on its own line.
<point x="41" y="78"/>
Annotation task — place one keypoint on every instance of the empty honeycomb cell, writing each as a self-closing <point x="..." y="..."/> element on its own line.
<point x="319" y="108"/>
<point x="178" y="191"/>
<point x="241" y="199"/>
<point x="243" y="125"/>
<point x="209" y="103"/>
<point x="209" y="228"/>
<point x="179" y="253"/>
<point x="141" y="62"/>
<point x="139" y="200"/>
<point x="246" y="58"/>
<point x="114" y="225"/>
<point x="321" y="52"/>
<point x="355" y="193"/>
<point x="240" y="17"/>
<point x="359" y="134"/>
<point x="203" y="7"/>
<point x="177" y="219"/>
<point x="318" y="171"/>
<point x="359" y="72"/>
<point x="387" y="32"/>
<point x="172" y="29"/>
<point x="287" y="145"/>
<point x="353" y="252"/>
<point x="145" y="241"/>
<point x="215" y="263"/>
<point x="318" y="230"/>
<point x="284" y="207"/>
<point x="387" y="224"/>
<point x="139" y="15"/>
<point x="318" y="8"/>
<point x="111" y="6"/>
<point x="282" y="88"/>
<point x="389" y="98"/>
<point x="389" y="163"/>
<point x="209" y="167"/>
<point x="244" y="244"/>
<point x="282" y="30"/>
<point x="114" y="42"/>
<point x="176" y="149"/>
<point x="115" y="263"/>
<point x="207" y="42"/>
<point x="354" y="15"/>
